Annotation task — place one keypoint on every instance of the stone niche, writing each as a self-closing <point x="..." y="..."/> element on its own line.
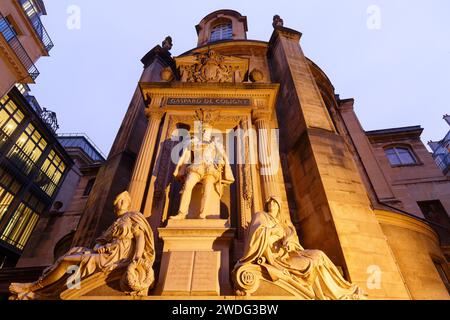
<point x="197" y="253"/>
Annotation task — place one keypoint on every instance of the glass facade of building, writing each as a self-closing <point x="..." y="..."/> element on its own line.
<point x="33" y="165"/>
<point x="80" y="141"/>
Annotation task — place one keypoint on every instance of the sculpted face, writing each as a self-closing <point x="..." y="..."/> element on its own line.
<point x="273" y="208"/>
<point x="206" y="134"/>
<point x="121" y="206"/>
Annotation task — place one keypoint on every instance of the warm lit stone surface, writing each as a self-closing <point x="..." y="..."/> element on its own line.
<point x="334" y="185"/>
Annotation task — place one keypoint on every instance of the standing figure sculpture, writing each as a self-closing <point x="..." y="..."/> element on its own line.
<point x="127" y="244"/>
<point x="273" y="249"/>
<point x="203" y="161"/>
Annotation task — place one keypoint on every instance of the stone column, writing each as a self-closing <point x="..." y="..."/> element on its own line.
<point x="144" y="159"/>
<point x="267" y="155"/>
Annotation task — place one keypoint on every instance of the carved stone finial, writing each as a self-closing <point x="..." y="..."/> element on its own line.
<point x="167" y="43"/>
<point x="277" y="21"/>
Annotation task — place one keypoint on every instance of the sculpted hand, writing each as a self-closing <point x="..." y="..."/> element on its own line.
<point x="277" y="232"/>
<point x="102" y="250"/>
<point x="290" y="246"/>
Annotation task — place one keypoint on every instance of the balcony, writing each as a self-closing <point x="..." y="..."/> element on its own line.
<point x="34" y="17"/>
<point x="14" y="43"/>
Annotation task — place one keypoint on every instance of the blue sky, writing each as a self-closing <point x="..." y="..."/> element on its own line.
<point x="399" y="74"/>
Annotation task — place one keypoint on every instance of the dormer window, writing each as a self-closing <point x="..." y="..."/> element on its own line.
<point x="223" y="31"/>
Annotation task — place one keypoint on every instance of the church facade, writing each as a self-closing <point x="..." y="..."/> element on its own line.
<point x="373" y="205"/>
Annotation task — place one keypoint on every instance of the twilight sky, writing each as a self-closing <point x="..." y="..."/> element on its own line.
<point x="395" y="64"/>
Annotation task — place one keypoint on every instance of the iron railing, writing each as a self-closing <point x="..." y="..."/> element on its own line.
<point x="32" y="13"/>
<point x="11" y="37"/>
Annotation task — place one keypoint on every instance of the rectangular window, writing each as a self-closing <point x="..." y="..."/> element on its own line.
<point x="441" y="270"/>
<point x="435" y="212"/>
<point x="29" y="8"/>
<point x="393" y="158"/>
<point x="51" y="173"/>
<point x="28" y="149"/>
<point x="400" y="156"/>
<point x="7" y="29"/>
<point x="10" y="118"/>
<point x="23" y="222"/>
<point x="8" y="189"/>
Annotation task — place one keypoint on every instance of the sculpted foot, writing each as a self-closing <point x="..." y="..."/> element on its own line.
<point x="202" y="216"/>
<point x="19" y="288"/>
<point x="179" y="216"/>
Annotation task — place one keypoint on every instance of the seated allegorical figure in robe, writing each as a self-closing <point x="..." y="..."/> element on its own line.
<point x="128" y="243"/>
<point x="273" y="242"/>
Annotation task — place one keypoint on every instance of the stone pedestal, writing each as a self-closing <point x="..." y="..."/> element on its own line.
<point x="195" y="259"/>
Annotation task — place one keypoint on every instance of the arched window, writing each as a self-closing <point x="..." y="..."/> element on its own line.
<point x="223" y="31"/>
<point x="400" y="156"/>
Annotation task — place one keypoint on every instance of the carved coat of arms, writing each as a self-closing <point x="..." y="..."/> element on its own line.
<point x="211" y="67"/>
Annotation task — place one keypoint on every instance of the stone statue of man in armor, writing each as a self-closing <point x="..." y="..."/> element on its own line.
<point x="203" y="161"/>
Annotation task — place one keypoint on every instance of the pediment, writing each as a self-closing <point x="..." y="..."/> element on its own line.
<point x="210" y="67"/>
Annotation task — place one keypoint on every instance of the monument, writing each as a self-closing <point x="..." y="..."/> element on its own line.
<point x="237" y="155"/>
<point x="203" y="161"/>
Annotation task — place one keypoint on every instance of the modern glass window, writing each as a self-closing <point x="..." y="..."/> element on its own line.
<point x="8" y="189"/>
<point x="51" y="173"/>
<point x="28" y="149"/>
<point x="23" y="222"/>
<point x="399" y="156"/>
<point x="10" y="118"/>
<point x="5" y="200"/>
<point x="223" y="31"/>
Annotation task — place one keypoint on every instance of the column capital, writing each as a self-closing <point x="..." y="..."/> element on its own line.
<point x="258" y="115"/>
<point x="156" y="114"/>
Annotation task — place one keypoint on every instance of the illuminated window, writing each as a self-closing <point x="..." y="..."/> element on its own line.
<point x="28" y="149"/>
<point x="23" y="222"/>
<point x="8" y="189"/>
<point x="5" y="200"/>
<point x="223" y="31"/>
<point x="21" y="87"/>
<point x="51" y="173"/>
<point x="400" y="156"/>
<point x="10" y="118"/>
<point x="29" y="7"/>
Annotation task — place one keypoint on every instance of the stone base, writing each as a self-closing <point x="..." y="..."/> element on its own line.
<point x="195" y="260"/>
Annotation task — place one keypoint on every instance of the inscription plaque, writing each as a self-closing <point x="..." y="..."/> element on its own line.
<point x="179" y="273"/>
<point x="208" y="102"/>
<point x="205" y="278"/>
